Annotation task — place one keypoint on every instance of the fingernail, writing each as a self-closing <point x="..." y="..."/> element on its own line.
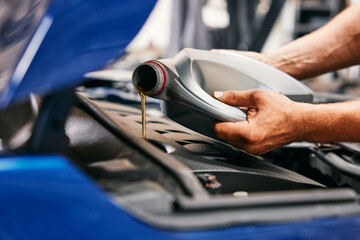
<point x="218" y="94"/>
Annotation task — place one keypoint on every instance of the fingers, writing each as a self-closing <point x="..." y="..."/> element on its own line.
<point x="229" y="132"/>
<point x="269" y="121"/>
<point x="232" y="131"/>
<point x="237" y="98"/>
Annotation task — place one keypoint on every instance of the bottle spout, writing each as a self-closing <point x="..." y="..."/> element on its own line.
<point x="149" y="78"/>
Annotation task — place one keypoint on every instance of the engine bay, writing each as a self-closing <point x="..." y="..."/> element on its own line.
<point x="180" y="178"/>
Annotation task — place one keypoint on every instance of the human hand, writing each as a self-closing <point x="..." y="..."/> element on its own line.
<point x="273" y="120"/>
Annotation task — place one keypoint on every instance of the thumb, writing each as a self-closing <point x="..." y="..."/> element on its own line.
<point x="236" y="98"/>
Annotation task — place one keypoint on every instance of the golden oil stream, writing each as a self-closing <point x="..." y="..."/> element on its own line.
<point x="143" y="115"/>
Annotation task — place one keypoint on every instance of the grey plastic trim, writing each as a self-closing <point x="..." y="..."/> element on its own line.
<point x="229" y="211"/>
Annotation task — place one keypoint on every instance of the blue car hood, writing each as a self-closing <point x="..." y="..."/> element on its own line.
<point x="48" y="45"/>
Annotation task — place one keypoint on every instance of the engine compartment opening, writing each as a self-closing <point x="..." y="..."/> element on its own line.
<point x="182" y="175"/>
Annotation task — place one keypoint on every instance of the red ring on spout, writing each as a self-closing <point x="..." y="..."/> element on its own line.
<point x="163" y="71"/>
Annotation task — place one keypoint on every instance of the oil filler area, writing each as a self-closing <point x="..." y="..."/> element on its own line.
<point x="107" y="131"/>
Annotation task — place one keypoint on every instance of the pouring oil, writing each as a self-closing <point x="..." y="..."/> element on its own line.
<point x="143" y="114"/>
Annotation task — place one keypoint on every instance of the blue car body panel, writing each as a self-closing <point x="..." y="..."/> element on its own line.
<point x="47" y="197"/>
<point x="72" y="38"/>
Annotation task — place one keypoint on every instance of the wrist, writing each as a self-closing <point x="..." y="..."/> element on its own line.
<point x="323" y="122"/>
<point x="305" y="122"/>
<point x="280" y="61"/>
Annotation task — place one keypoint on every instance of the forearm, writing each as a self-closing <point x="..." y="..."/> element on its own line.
<point x="329" y="122"/>
<point x="332" y="47"/>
